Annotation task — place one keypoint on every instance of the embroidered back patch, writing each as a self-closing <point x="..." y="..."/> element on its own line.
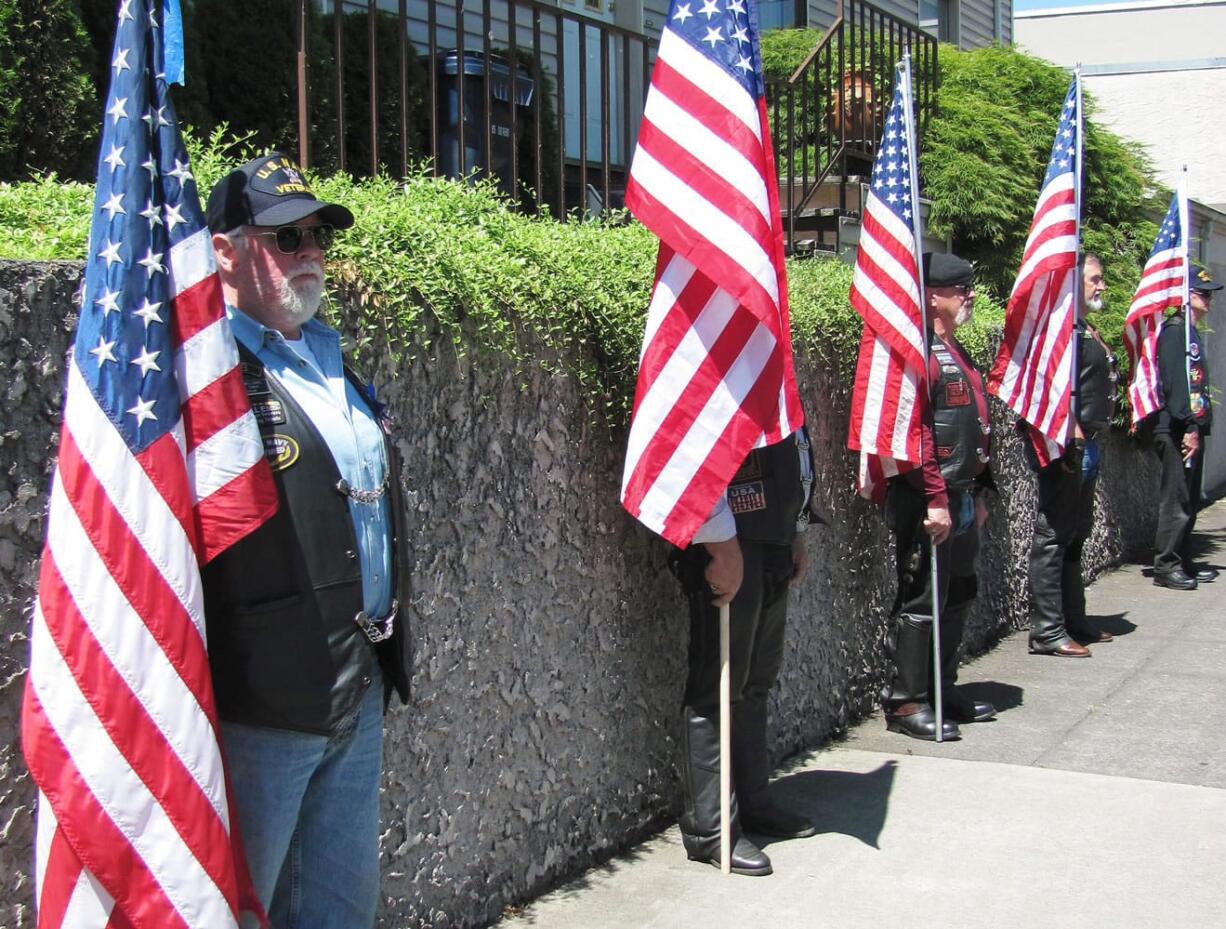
<point x="746" y="498"/>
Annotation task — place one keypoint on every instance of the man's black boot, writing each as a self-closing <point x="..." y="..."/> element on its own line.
<point x="907" y="709"/>
<point x="955" y="704"/>
<point x="700" y="820"/>
<point x="1175" y="579"/>
<point x="751" y="775"/>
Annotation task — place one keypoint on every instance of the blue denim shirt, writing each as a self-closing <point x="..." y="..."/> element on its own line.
<point x="349" y="428"/>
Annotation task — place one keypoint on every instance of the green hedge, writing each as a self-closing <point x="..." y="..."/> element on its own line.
<point x="431" y="255"/>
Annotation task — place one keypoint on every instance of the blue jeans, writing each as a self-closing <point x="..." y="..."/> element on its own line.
<point x="308" y="812"/>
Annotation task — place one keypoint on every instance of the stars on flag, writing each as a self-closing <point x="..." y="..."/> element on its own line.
<point x="132" y="332"/>
<point x="891" y="178"/>
<point x="118" y="110"/>
<point x="720" y="30"/>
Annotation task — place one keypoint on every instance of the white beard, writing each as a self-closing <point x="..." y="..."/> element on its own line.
<point x="1095" y="305"/>
<point x="298" y="298"/>
<point x="964" y="314"/>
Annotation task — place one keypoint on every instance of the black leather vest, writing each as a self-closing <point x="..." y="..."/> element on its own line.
<point x="1096" y="385"/>
<point x="961" y="436"/>
<point x="766" y="494"/>
<point x="284" y="649"/>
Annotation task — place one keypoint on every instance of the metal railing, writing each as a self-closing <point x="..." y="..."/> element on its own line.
<point x="828" y="116"/>
<point x="545" y="101"/>
<point x="548" y="102"/>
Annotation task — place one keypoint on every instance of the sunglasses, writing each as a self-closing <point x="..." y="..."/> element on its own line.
<point x="289" y="238"/>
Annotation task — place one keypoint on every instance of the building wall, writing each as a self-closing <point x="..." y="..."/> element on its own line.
<point x="549" y="637"/>
<point x="1158" y="74"/>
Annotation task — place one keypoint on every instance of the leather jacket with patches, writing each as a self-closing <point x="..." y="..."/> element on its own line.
<point x="280" y="605"/>
<point x="959" y="432"/>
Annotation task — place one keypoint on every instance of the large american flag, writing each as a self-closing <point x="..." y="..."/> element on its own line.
<point x="888" y="399"/>
<point x="715" y="374"/>
<point x="1164" y="284"/>
<point x="160" y="468"/>
<point x="1033" y="370"/>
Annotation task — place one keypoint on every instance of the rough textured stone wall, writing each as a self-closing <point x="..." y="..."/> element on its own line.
<point x="549" y="638"/>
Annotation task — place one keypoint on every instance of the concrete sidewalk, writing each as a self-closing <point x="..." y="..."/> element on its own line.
<point x="1097" y="799"/>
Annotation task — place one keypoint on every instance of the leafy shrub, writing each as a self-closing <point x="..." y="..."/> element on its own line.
<point x="54" y="123"/>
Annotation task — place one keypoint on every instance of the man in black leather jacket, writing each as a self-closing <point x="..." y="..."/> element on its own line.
<point x="1065" y="490"/>
<point x="1180" y="428"/>
<point x="747" y="554"/>
<point x="939" y="506"/>
<point x="305" y="644"/>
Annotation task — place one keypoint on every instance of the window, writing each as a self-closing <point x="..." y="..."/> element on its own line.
<point x="941" y="18"/>
<point x="781" y="14"/>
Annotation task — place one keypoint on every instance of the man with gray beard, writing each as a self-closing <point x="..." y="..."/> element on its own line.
<point x="937" y="510"/>
<point x="305" y="646"/>
<point x="1065" y="490"/>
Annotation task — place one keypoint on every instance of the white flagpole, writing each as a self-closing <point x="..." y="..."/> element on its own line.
<point x="908" y="118"/>
<point x="725" y="743"/>
<point x="1185" y="236"/>
<point x="1075" y="378"/>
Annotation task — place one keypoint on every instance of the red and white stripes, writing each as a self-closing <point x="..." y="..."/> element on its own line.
<point x="715" y="375"/>
<point x="118" y="728"/>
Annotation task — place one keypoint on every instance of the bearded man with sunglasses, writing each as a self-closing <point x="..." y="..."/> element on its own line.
<point x="305" y="645"/>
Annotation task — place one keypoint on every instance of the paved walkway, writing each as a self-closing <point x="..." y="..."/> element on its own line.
<point x="1098" y="799"/>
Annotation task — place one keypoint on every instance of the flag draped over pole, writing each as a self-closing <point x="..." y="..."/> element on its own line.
<point x="1163" y="285"/>
<point x="889" y="396"/>
<point x="160" y="468"/>
<point x="1033" y="372"/>
<point x="715" y="374"/>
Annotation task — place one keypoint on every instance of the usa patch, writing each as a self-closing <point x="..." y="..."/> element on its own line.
<point x="747" y="498"/>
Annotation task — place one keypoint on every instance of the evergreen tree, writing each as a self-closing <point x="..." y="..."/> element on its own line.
<point x="55" y="123"/>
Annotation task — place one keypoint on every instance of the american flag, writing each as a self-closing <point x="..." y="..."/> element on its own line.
<point x="715" y="374"/>
<point x="160" y="468"/>
<point x="1033" y="370"/>
<point x="888" y="399"/>
<point x="1164" y="283"/>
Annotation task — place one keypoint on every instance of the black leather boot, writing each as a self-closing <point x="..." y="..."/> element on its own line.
<point x="1075" y="622"/>
<point x="751" y="776"/>
<point x="907" y="709"/>
<point x="700" y="821"/>
<point x="955" y="704"/>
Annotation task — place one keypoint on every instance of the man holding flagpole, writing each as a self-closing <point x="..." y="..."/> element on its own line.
<point x="920" y="422"/>
<point x="936" y="512"/>
<point x="1183" y="421"/>
<point x="1065" y="493"/>
<point x="716" y="383"/>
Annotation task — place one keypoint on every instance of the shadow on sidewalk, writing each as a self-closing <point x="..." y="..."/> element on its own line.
<point x="845" y="802"/>
<point x="1115" y="623"/>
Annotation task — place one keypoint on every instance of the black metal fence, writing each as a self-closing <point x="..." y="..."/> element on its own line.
<point x="828" y="116"/>
<point x="545" y="101"/>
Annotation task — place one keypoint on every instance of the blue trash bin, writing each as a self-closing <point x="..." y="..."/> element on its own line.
<point x="450" y="161"/>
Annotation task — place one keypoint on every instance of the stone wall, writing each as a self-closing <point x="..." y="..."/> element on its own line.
<point x="549" y="638"/>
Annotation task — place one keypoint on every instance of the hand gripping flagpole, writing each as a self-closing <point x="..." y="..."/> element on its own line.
<point x="725" y="743"/>
<point x="908" y="112"/>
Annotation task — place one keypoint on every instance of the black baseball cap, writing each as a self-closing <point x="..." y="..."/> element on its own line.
<point x="1200" y="279"/>
<point x="268" y="191"/>
<point x="942" y="270"/>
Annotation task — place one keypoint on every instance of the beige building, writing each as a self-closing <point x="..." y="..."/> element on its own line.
<point x="1157" y="69"/>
